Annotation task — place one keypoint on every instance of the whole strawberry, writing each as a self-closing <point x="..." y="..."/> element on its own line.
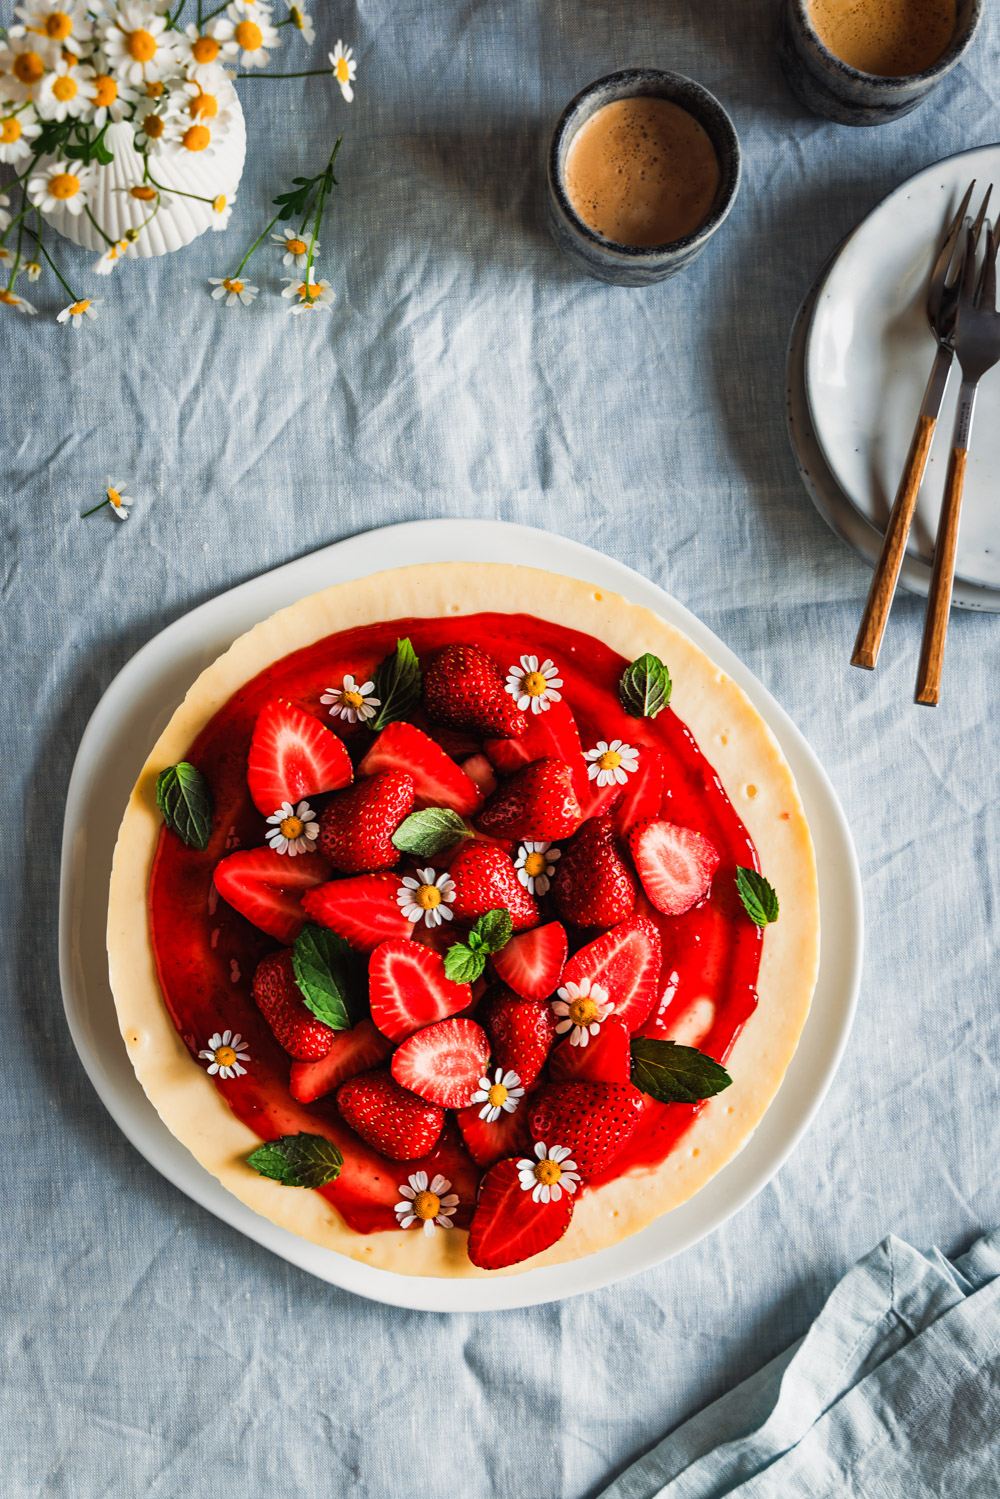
<point x="521" y="1031"/>
<point x="279" y="999"/>
<point x="538" y="801"/>
<point x="464" y="689"/>
<point x="394" y="1121"/>
<point x="592" y="887"/>
<point x="485" y="879"/>
<point x="356" y="827"/>
<point x="593" y="1120"/>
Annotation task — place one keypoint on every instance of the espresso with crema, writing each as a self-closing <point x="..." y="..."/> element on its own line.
<point x="641" y="171"/>
<point x="891" y="38"/>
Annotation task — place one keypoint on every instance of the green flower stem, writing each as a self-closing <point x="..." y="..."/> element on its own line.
<point x="216" y="12"/>
<point x="328" y="181"/>
<point x="256" y="245"/>
<point x="106" y="237"/>
<point x="311" y="73"/>
<point x="59" y="275"/>
<point x="20" y="216"/>
<point x="175" y="190"/>
<point x="85" y="513"/>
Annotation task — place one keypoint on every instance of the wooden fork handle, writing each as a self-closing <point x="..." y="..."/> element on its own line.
<point x="890" y="558"/>
<point x="942" y="580"/>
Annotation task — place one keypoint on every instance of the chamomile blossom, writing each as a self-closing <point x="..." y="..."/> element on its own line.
<point x="116" y="500"/>
<point x="17" y="130"/>
<point x="294" y="830"/>
<point x="62" y="184"/>
<point x="350" y="701"/>
<point x="107" y="262"/>
<point x="67" y="92"/>
<point x="535" y="865"/>
<point x="6" y="256"/>
<point x="249" y="32"/>
<point x="208" y="104"/>
<point x="112" y="99"/>
<point x="296" y="248"/>
<point x="75" y="313"/>
<point x="501" y="1096"/>
<point x="344" y="68"/>
<point x="550" y="1174"/>
<point x="222" y="211"/>
<point x="233" y="290"/>
<point x="24" y="61"/>
<point x="313" y="296"/>
<point x="20" y="304"/>
<point x="534" y="687"/>
<point x="193" y="136"/>
<point x="611" y="763"/>
<point x="225" y="1054"/>
<point x="426" y="1203"/>
<point x="581" y="1008"/>
<point x="138" y="45"/>
<point x="304" y="23"/>
<point x="33" y="270"/>
<point x="427" y="897"/>
<point x="63" y="24"/>
<point x="152" y="125"/>
<point x="199" y="54"/>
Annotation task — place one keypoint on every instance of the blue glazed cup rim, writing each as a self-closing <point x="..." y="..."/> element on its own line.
<point x="725" y="143"/>
<point x="956" y="49"/>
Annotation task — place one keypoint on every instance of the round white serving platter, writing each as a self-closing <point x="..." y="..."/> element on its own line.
<point x="125" y="725"/>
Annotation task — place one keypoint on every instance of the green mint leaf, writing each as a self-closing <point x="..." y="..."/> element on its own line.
<point x="464" y="962"/>
<point x="493" y="931"/>
<point x="760" y="901"/>
<point x="675" y="1074"/>
<point x="644" y="687"/>
<point x="463" y="965"/>
<point x="430" y="832"/>
<point x="184" y="798"/>
<point x="298" y="1160"/>
<point x="397" y="685"/>
<point x="318" y="958"/>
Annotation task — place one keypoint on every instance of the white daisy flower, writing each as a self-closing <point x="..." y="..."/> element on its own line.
<point x="24" y="61"/>
<point x="298" y="18"/>
<point x="611" y="762"/>
<point x="534" y="687"/>
<point x="233" y="290"/>
<point x="152" y="124"/>
<point x="247" y="30"/>
<point x="62" y="184"/>
<point x="225" y="1054"/>
<point x="17" y="130"/>
<point x="107" y="262"/>
<point x="296" y="249"/>
<point x="67" y="92"/>
<point x="294" y="829"/>
<point x="426" y="898"/>
<point x="75" y="313"/>
<point x="581" y="1008"/>
<point x="6" y="256"/>
<point x="501" y="1096"/>
<point x="199" y="54"/>
<point x="113" y="99"/>
<point x="33" y="270"/>
<point x="20" y="304"/>
<point x="137" y="44"/>
<point x="64" y="24"/>
<point x="199" y="138"/>
<point x="351" y="702"/>
<point x="117" y="499"/>
<point x="344" y="69"/>
<point x="551" y="1173"/>
<point x="425" y="1202"/>
<point x="223" y="209"/>
<point x="535" y="865"/>
<point x="208" y="103"/>
<point x="311" y="296"/>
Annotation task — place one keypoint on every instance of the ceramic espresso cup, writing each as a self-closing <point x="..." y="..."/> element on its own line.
<point x="828" y="86"/>
<point x="639" y="265"/>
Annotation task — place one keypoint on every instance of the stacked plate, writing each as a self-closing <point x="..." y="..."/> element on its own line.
<point x="858" y="359"/>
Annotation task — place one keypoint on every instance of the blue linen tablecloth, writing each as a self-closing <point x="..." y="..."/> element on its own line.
<point x="467" y="370"/>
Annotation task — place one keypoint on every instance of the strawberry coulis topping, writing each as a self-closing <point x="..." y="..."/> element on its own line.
<point x="206" y="953"/>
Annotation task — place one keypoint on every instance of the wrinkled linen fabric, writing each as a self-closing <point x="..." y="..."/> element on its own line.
<point x="468" y="370"/>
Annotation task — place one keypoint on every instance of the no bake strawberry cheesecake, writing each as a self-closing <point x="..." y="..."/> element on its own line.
<point x="463" y="919"/>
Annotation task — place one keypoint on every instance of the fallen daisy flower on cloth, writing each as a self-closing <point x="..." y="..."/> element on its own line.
<point x="115" y="499"/>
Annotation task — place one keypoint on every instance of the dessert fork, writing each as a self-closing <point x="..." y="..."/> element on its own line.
<point x="977" y="349"/>
<point x="942" y="305"/>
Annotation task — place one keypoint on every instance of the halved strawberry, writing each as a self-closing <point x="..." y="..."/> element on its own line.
<point x="485" y="879"/>
<point x="437" y="780"/>
<point x="267" y="888"/>
<point x="397" y="1123"/>
<point x="356" y="827"/>
<point x="675" y="864"/>
<point x="443" y="1063"/>
<point x="350" y="1052"/>
<point x="642" y="797"/>
<point x="508" y="1226"/>
<point x="626" y="962"/>
<point x="532" y="963"/>
<point x="537" y="801"/>
<point x="465" y="689"/>
<point x="549" y="735"/>
<point x="593" y="1120"/>
<point x="362" y="909"/>
<point x="488" y="1142"/>
<point x="292" y="755"/>
<point x="605" y="1059"/>
<point x="279" y="999"/>
<point x="409" y="988"/>
<point x="521" y="1031"/>
<point x="479" y="770"/>
<point x="591" y="886"/>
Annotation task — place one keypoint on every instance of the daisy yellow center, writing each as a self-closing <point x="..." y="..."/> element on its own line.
<point x="78" y="307"/>
<point x="58" y="26"/>
<point x="230" y="285"/>
<point x="205" y="49"/>
<point x="610" y="760"/>
<point x="204" y="107"/>
<point x="534" y="865"/>
<point x="154" y="89"/>
<point x="64" y="185"/>
<point x="141" y="45"/>
<point x="28" y="67"/>
<point x="225" y="1056"/>
<point x="10" y="131"/>
<point x="219" y="203"/>
<point x="349" y="699"/>
<point x="582" y="1011"/>
<point x="143" y="192"/>
<point x="309" y="293"/>
<point x="153" y="127"/>
<point x="427" y="897"/>
<point x="65" y="89"/>
<point x="291" y="827"/>
<point x="105" y="91"/>
<point x="426" y="1205"/>
<point x="249" y="36"/>
<point x="342" y="72"/>
<point x="548" y="1172"/>
<point x="196" y="137"/>
<point x="9" y="298"/>
<point x="113" y="494"/>
<point x="497" y="1095"/>
<point x="533" y="684"/>
<point x="299" y="247"/>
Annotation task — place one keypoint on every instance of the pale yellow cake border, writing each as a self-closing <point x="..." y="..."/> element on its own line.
<point x="753" y="771"/>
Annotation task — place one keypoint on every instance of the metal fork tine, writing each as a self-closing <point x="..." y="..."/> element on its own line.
<point x="981" y="215"/>
<point x="987" y="299"/>
<point x="968" y="290"/>
<point x="943" y="261"/>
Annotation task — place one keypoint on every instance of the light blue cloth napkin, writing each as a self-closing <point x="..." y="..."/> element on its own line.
<point x="895" y="1390"/>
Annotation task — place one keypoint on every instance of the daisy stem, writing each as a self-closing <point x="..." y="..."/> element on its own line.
<point x="328" y="181"/>
<point x="85" y="513"/>
<point x="174" y="191"/>
<point x="106" y="237"/>
<point x="24" y="211"/>
<point x="311" y="73"/>
<point x="59" y="276"/>
<point x="216" y="12"/>
<point x="257" y="244"/>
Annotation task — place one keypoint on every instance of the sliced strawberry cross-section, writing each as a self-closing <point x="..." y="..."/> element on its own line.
<point x="642" y="797"/>
<point x="549" y="735"/>
<point x="532" y="963"/>
<point x="409" y="988"/>
<point x="444" y="1062"/>
<point x="675" y="864"/>
<point x="362" y="909"/>
<point x="268" y="888"/>
<point x="397" y="1123"/>
<point x="351" y="1052"/>
<point x="509" y="1225"/>
<point x="485" y="880"/>
<point x="292" y="755"/>
<point x="356" y="826"/>
<point x="537" y="801"/>
<point x="437" y="780"/>
<point x="593" y="1120"/>
<point x="626" y="963"/>
<point x="606" y="1058"/>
